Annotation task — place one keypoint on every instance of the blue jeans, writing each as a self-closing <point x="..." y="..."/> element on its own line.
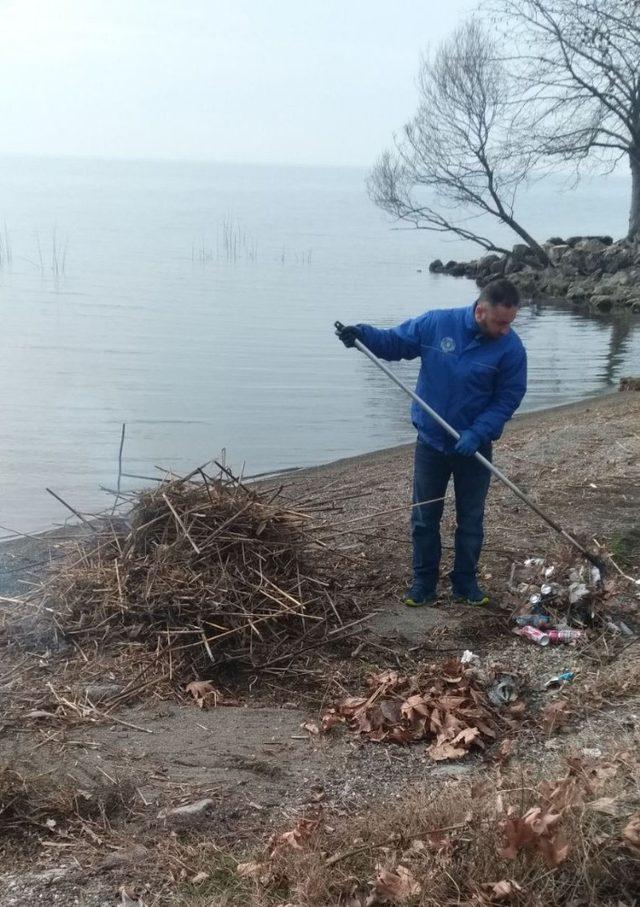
<point x="471" y="479"/>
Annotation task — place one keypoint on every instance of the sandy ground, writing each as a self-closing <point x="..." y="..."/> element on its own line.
<point x="256" y="761"/>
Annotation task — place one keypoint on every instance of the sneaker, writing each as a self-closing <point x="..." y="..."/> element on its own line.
<point x="419" y="595"/>
<point x="473" y="596"/>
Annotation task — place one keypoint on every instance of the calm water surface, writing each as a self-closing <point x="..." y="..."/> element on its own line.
<point x="195" y="302"/>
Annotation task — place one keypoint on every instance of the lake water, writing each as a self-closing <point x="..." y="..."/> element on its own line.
<point x="195" y="303"/>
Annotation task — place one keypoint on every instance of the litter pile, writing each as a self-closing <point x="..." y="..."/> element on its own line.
<point x="444" y="704"/>
<point x="555" y="603"/>
<point x="210" y="571"/>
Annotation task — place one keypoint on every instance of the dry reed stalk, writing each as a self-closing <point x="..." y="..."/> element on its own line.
<point x="210" y="571"/>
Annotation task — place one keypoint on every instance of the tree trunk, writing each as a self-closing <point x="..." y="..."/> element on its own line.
<point x="634" y="215"/>
<point x="541" y="255"/>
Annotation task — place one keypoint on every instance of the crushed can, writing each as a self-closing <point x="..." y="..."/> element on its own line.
<point x="570" y="637"/>
<point x="533" y="620"/>
<point x="504" y="690"/>
<point x="534" y="634"/>
<point x="558" y="680"/>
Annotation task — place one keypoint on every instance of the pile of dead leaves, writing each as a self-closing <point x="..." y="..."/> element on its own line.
<point x="443" y="704"/>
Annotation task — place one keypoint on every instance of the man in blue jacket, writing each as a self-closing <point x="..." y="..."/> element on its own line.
<point x="474" y="375"/>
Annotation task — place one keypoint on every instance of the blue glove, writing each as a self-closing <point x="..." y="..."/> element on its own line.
<point x="468" y="443"/>
<point x="348" y="335"/>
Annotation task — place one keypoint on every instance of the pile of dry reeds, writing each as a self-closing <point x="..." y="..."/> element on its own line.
<point x="210" y="571"/>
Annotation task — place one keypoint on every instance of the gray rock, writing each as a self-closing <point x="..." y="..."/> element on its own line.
<point x="521" y="252"/>
<point x="98" y="691"/>
<point x="601" y="303"/>
<point x="579" y="293"/>
<point x="485" y="263"/>
<point x="604" y="240"/>
<point x="513" y="266"/>
<point x="124" y="856"/>
<point x="590" y="245"/>
<point x="557" y="253"/>
<point x="436" y="266"/>
<point x="190" y="814"/>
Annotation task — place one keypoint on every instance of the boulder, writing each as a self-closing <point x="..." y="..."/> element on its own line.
<point x="190" y="814"/>
<point x="497" y="268"/>
<point x="458" y="269"/>
<point x="485" y="263"/>
<point x="554" y="286"/>
<point x="521" y="252"/>
<point x="612" y="283"/>
<point x="557" y="252"/>
<point x="601" y="303"/>
<point x="617" y="257"/>
<point x="576" y="240"/>
<point x="555" y="241"/>
<point x="513" y="265"/>
<point x="450" y="264"/>
<point x="579" y="293"/>
<point x="436" y="266"/>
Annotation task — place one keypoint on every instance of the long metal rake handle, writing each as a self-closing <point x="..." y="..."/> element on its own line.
<point x="592" y="558"/>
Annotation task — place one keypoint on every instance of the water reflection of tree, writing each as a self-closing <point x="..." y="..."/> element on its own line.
<point x="621" y="326"/>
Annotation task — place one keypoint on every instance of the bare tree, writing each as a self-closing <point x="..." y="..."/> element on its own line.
<point x="462" y="155"/>
<point x="581" y="69"/>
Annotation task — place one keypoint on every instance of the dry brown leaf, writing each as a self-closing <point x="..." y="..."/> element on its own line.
<point x="330" y="719"/>
<point x="506" y="888"/>
<point x="396" y="885"/>
<point x="203" y="692"/>
<point x="468" y="736"/>
<point x="506" y="750"/>
<point x="541" y="822"/>
<point x="631" y="832"/>
<point x="554" y="715"/>
<point x="199" y="878"/>
<point x="554" y="850"/>
<point x="610" y="806"/>
<point x="441" y="751"/>
<point x="416" y="705"/>
<point x="250" y="870"/>
<point x="296" y="837"/>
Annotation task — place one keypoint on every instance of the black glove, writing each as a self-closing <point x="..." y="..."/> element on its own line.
<point x="348" y="334"/>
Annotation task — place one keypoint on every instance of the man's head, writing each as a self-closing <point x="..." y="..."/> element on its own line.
<point x="496" y="308"/>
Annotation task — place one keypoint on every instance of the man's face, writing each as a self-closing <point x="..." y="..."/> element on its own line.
<point x="494" y="320"/>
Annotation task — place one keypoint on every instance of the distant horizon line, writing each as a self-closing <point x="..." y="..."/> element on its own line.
<point x="178" y="160"/>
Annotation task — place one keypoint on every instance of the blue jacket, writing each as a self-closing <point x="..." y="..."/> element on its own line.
<point x="470" y="380"/>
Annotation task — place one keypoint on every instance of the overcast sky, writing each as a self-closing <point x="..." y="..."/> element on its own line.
<point x="276" y="81"/>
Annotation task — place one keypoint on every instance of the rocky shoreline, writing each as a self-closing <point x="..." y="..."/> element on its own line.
<point x="593" y="272"/>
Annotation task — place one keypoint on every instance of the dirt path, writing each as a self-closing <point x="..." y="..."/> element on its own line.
<point x="260" y="761"/>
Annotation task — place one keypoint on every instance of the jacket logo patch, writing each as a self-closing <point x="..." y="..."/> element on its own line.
<point x="447" y="344"/>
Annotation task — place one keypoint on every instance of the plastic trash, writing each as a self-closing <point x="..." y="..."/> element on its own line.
<point x="570" y="637"/>
<point x="533" y="620"/>
<point x="558" y="680"/>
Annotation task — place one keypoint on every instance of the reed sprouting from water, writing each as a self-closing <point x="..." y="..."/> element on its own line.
<point x="233" y="244"/>
<point x="6" y="254"/>
<point x="58" y="256"/>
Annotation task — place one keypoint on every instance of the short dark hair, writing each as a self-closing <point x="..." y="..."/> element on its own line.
<point x="500" y="292"/>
